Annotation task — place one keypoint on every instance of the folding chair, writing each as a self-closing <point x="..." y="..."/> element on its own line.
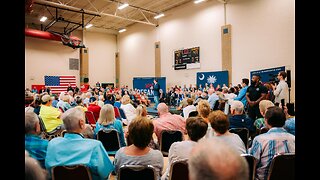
<point x="79" y="172"/>
<point x="252" y="162"/>
<point x="129" y="172"/>
<point x="179" y="170"/>
<point x="49" y="135"/>
<point x="116" y="113"/>
<point x="263" y="130"/>
<point x="193" y="113"/>
<point x="243" y="134"/>
<point x="167" y="138"/>
<point x="216" y="105"/>
<point x="90" y="118"/>
<point x="61" y="109"/>
<point x="110" y="140"/>
<point x="282" y="167"/>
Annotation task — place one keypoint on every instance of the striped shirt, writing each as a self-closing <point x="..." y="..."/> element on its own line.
<point x="265" y="146"/>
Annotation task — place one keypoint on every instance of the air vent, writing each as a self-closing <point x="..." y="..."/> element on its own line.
<point x="73" y="64"/>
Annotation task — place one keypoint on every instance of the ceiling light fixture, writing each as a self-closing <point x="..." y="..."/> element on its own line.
<point x="159" y="16"/>
<point x="123" y="6"/>
<point x="43" y="19"/>
<point x="122" y="30"/>
<point x="198" y="1"/>
<point x="89" y="26"/>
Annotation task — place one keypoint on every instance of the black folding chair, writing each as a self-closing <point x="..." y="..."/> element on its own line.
<point x="129" y="172"/>
<point x="79" y="172"/>
<point x="216" y="105"/>
<point x="282" y="167"/>
<point x="263" y="130"/>
<point x="167" y="138"/>
<point x="252" y="162"/>
<point x="179" y="170"/>
<point x="110" y="140"/>
<point x="243" y="134"/>
<point x="193" y="113"/>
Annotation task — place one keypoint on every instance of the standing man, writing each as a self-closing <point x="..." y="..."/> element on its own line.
<point x="156" y="88"/>
<point x="281" y="91"/>
<point x="242" y="93"/>
<point x="255" y="93"/>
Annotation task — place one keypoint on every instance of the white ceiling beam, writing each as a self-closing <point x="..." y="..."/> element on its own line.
<point x="223" y="1"/>
<point x="144" y="16"/>
<point x="135" y="7"/>
<point x="48" y="3"/>
<point x="93" y="5"/>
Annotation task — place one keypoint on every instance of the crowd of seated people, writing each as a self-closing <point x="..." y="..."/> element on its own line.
<point x="143" y="132"/>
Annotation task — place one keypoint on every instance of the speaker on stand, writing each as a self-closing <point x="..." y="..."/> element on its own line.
<point x="290" y="106"/>
<point x="289" y="82"/>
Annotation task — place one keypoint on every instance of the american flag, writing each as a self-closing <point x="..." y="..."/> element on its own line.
<point x="59" y="84"/>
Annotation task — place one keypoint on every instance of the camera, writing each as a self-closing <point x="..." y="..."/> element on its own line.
<point x="274" y="79"/>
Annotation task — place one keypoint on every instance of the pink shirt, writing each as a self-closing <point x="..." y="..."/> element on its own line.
<point x="169" y="121"/>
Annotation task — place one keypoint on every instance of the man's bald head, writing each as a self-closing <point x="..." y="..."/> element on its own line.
<point x="162" y="108"/>
<point x="213" y="159"/>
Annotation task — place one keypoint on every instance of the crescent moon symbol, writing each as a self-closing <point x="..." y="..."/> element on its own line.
<point x="201" y="78"/>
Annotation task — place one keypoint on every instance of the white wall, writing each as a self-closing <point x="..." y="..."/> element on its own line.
<point x="262" y="37"/>
<point x="46" y="57"/>
<point x="190" y="26"/>
<point x="102" y="48"/>
<point x="137" y="53"/>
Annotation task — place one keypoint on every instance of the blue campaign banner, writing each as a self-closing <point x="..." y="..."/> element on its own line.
<point x="216" y="77"/>
<point x="268" y="75"/>
<point x="143" y="84"/>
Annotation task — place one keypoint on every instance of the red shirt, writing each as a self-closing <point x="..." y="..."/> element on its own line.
<point x="95" y="109"/>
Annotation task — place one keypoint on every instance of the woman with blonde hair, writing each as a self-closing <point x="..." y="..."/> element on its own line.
<point x="204" y="110"/>
<point x="107" y="120"/>
<point x="128" y="109"/>
<point x="263" y="106"/>
<point x="141" y="110"/>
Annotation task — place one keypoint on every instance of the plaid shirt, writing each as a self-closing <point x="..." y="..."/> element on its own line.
<point x="36" y="147"/>
<point x="265" y="146"/>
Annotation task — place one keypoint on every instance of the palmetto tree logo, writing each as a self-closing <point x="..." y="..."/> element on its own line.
<point x="211" y="79"/>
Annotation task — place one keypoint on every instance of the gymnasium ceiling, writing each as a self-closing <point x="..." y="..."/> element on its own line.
<point x="104" y="15"/>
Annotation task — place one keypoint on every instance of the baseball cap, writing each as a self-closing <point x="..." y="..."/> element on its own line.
<point x="46" y="98"/>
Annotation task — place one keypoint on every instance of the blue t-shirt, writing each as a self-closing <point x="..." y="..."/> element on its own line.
<point x="117" y="124"/>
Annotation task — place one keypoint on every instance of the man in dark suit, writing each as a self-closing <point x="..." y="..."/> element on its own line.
<point x="156" y="93"/>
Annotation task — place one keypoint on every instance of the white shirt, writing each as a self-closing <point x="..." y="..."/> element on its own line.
<point x="187" y="110"/>
<point x="130" y="112"/>
<point x="178" y="151"/>
<point x="281" y="92"/>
